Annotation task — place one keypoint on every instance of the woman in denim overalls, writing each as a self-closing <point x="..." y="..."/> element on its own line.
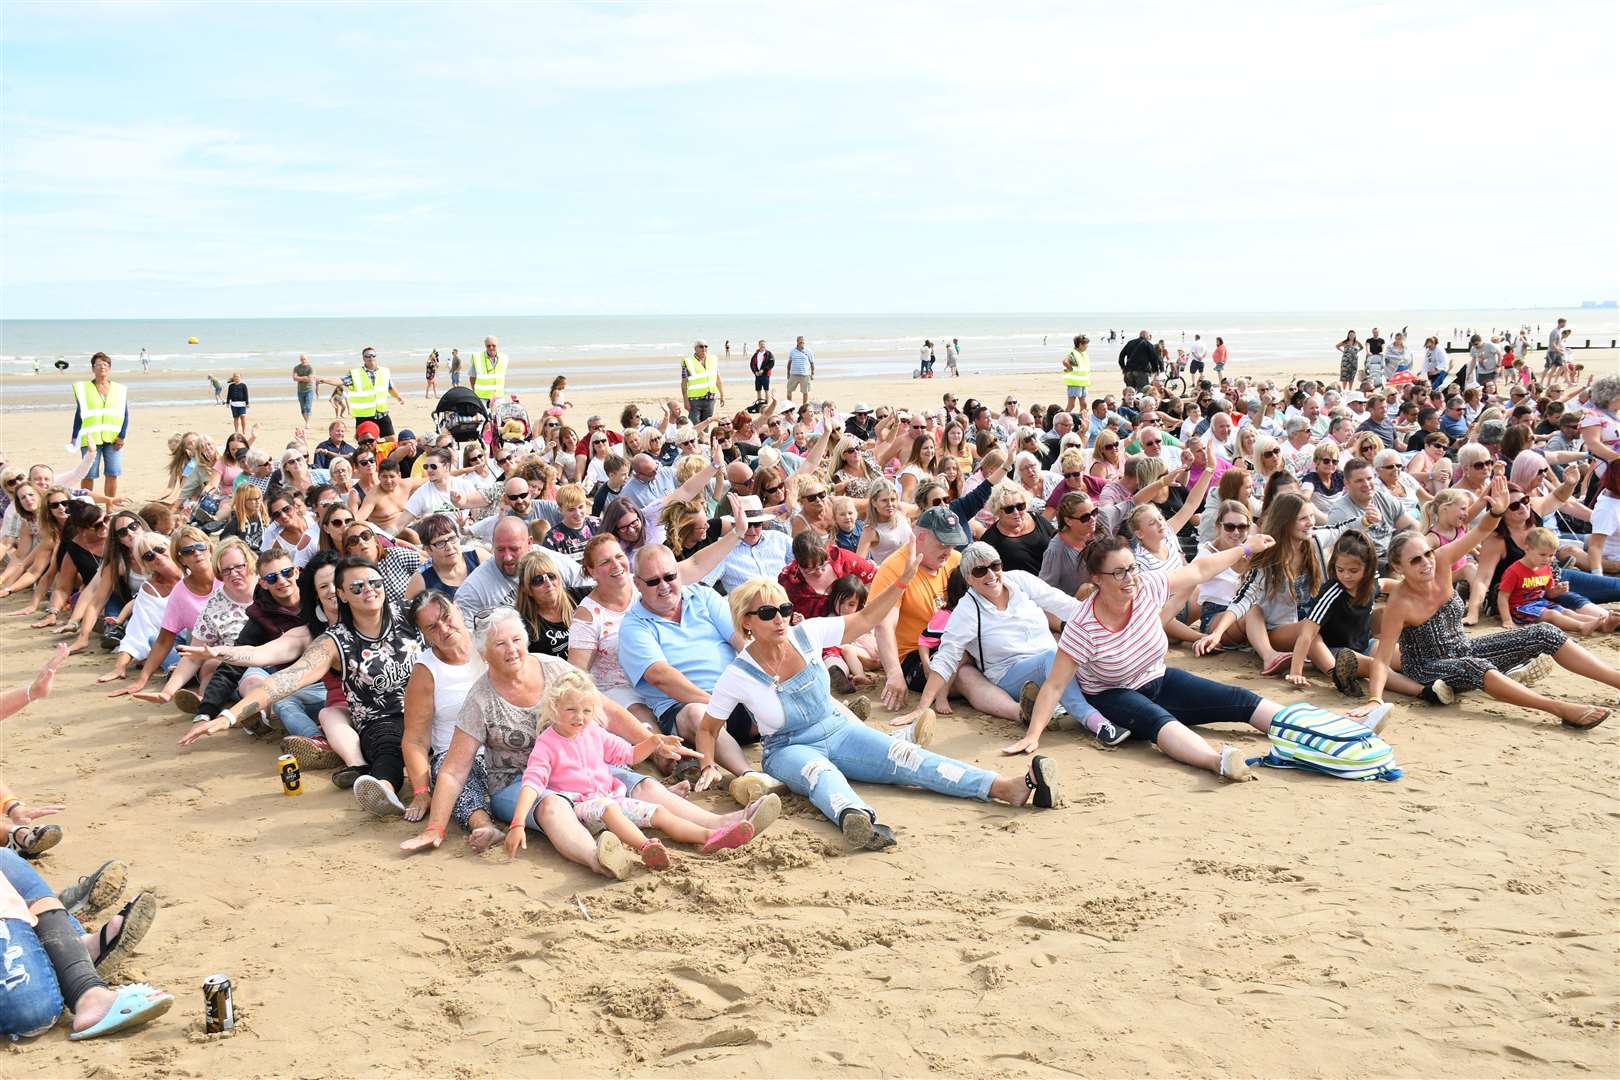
<point x="812" y="746"/>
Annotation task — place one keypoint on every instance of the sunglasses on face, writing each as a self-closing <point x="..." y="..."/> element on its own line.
<point x="431" y="466"/>
<point x="57" y="505"/>
<point x="769" y="612"/>
<point x="814" y="496"/>
<point x="1418" y="560"/>
<point x="773" y="490"/>
<point x="985" y="568"/>
<point x="1480" y="465"/>
<point x="372" y="584"/>
<point x="274" y="576"/>
<point x="544" y="577"/>
<point x="1073" y="475"/>
<point x="1015" y="508"/>
<point x="1518" y="504"/>
<point x="188" y="550"/>
<point x="1235" y="526"/>
<point x="1270" y="453"/>
<point x="335" y="522"/>
<point x="124" y="530"/>
<point x="364" y="461"/>
<point x="357" y="538"/>
<point x="653" y="582"/>
<point x="151" y="553"/>
<point x="518" y="496"/>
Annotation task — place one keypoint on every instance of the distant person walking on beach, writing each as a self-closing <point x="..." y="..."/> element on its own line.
<point x="146" y="360"/>
<point x="488" y="373"/>
<point x="801" y="370"/>
<point x="1195" y="366"/>
<point x="953" y="358"/>
<point x="214" y="385"/>
<point x="100" y="422"/>
<point x="1349" y="360"/>
<point x="1077" y="373"/>
<point x="236" y="396"/>
<point x="432" y="375"/>
<point x="1556" y="362"/>
<point x="762" y="363"/>
<point x="1138" y="360"/>
<point x="455" y="367"/>
<point x="371" y="387"/>
<point x="304" y="382"/>
<point x="1219" y="358"/>
<point x="700" y="383"/>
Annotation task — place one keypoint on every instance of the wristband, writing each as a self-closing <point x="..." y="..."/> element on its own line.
<point x="28" y="694"/>
<point x="1248" y="553"/>
<point x="422" y="790"/>
<point x="437" y="830"/>
<point x="230" y="717"/>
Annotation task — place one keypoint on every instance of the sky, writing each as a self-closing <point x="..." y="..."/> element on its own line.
<point x="238" y="160"/>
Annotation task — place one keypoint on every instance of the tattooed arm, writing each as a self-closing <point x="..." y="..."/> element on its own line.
<point x="308" y="669"/>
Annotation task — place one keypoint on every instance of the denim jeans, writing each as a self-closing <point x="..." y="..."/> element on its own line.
<point x="30" y="999"/>
<point x="503" y="803"/>
<point x="1176" y="695"/>
<point x="296" y="712"/>
<point x="1595" y="587"/>
<point x="306" y="401"/>
<point x="819" y="751"/>
<point x="1035" y="668"/>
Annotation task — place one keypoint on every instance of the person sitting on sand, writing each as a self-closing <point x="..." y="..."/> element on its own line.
<point x="1423" y="618"/>
<point x="192" y="552"/>
<point x="810" y="745"/>
<point x="218" y="622"/>
<point x="572" y="756"/>
<point x="385" y="504"/>
<point x="1116" y="648"/>
<point x="501" y="719"/>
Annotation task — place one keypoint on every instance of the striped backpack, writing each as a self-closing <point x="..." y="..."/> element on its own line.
<point x="1305" y="737"/>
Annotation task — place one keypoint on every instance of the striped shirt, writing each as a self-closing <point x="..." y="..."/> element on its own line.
<point x="1128" y="658"/>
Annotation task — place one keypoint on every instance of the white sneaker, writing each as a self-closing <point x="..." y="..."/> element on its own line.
<point x="1233" y="767"/>
<point x="377" y="797"/>
<point x="919" y="731"/>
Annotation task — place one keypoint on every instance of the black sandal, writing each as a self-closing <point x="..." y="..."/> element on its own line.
<point x="1042" y="780"/>
<point x="32" y="841"/>
<point x="138" y="915"/>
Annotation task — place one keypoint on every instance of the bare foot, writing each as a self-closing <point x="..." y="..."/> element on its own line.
<point x="484" y="837"/>
<point x="112" y="676"/>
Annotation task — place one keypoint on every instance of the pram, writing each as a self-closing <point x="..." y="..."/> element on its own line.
<point x="506" y="412"/>
<point x="461" y="412"/>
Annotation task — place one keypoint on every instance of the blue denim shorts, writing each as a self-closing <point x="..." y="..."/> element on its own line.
<point x="106" y="457"/>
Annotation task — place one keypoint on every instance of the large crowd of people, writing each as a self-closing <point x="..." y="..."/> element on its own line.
<point x="490" y="628"/>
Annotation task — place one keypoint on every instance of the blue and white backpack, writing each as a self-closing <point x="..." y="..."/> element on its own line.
<point x="1306" y="737"/>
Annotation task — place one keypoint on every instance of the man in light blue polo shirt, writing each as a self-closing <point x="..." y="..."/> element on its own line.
<point x="801" y="369"/>
<point x="673" y="645"/>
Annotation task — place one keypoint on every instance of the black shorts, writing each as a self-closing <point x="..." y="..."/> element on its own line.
<point x="1196" y="367"/>
<point x="914" y="670"/>
<point x="762" y="383"/>
<point x="384" y="422"/>
<point x="740" y="723"/>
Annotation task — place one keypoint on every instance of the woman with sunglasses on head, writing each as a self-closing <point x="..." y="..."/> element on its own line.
<point x="1004" y="622"/>
<point x="852" y="469"/>
<point x="143" y="615"/>
<point x="555" y="446"/>
<point x="815" y="748"/>
<point x="193" y="553"/>
<point x="115" y="584"/>
<point x="1424" y="621"/>
<point x="373" y="649"/>
<point x="1115" y="648"/>
<point x="218" y="622"/>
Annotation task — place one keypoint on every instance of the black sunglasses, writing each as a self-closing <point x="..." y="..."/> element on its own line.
<point x="652" y="582"/>
<point x="984" y="568"/>
<point x="1014" y="508"/>
<point x="124" y="530"/>
<point x="769" y="612"/>
<point x="274" y="576"/>
<point x="358" y="587"/>
<point x="151" y="553"/>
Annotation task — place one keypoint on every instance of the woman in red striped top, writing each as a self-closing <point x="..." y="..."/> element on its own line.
<point x="1115" y="648"/>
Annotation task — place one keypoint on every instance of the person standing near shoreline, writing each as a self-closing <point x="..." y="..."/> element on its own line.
<point x="762" y="363"/>
<point x="1077" y="373"/>
<point x="236" y="396"/>
<point x="455" y="367"/>
<point x="700" y="383"/>
<point x="146" y="359"/>
<point x="370" y="387"/>
<point x="101" y="422"/>
<point x="432" y="375"/>
<point x="801" y="370"/>
<point x="953" y="358"/>
<point x="304" y="383"/>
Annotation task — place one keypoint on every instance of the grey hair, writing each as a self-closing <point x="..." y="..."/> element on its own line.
<point x="1296" y="424"/>
<point x="1026" y="458"/>
<point x="647" y="549"/>
<point x="977" y="554"/>
<point x="1605" y="390"/>
<point x="493" y="618"/>
<point x="430" y="598"/>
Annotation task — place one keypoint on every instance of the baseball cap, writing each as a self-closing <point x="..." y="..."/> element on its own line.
<point x="406" y="433"/>
<point x="945" y="525"/>
<point x="365" y="429"/>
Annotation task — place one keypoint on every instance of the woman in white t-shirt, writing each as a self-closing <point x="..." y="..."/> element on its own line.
<point x="1115" y="647"/>
<point x="811" y="745"/>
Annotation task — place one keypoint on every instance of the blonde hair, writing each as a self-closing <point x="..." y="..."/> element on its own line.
<point x="1443" y="499"/>
<point x="531" y="566"/>
<point x="188" y="534"/>
<point x="751" y="594"/>
<point x="676" y="518"/>
<point x="572" y="683"/>
<point x="689" y="466"/>
<point x="234" y="543"/>
<point x="878" y="489"/>
<point x="570" y="496"/>
<point x="1539" y="538"/>
<point x="808" y="480"/>
<point x="1005" y="492"/>
<point x="1071" y="459"/>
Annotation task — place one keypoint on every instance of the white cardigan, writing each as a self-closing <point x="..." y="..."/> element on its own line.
<point x="996" y="637"/>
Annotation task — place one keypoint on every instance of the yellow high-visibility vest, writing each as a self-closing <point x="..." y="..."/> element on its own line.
<point x="100" y="418"/>
<point x="700" y="377"/>
<point x="1077" y="369"/>
<point x="489" y="377"/>
<point x="369" y="394"/>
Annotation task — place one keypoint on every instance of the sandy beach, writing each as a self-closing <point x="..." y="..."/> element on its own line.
<point x="1462" y="922"/>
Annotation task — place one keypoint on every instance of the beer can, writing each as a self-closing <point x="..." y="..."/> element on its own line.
<point x="218" y="1010"/>
<point x="292" y="782"/>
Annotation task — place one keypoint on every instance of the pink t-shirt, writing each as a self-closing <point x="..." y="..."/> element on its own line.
<point x="1125" y="659"/>
<point x="183" y="606"/>
<point x="577" y="766"/>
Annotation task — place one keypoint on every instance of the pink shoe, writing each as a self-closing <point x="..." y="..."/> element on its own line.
<point x="734" y="835"/>
<point x="654" y="856"/>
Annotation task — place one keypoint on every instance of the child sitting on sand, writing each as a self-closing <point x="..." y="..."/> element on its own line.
<point x="571" y="757"/>
<point x="853" y="664"/>
<point x="1524" y="596"/>
<point x="847" y="519"/>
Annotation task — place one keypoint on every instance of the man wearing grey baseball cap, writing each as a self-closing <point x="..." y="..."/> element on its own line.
<point x="940" y="534"/>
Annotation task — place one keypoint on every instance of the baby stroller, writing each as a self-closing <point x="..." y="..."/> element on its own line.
<point x="461" y="412"/>
<point x="509" y="416"/>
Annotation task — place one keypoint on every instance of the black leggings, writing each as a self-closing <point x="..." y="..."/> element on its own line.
<point x="385" y="759"/>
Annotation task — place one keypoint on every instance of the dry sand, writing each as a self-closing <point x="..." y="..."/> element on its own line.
<point x="1460" y="922"/>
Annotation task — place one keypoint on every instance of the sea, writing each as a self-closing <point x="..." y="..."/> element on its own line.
<point x="639" y="352"/>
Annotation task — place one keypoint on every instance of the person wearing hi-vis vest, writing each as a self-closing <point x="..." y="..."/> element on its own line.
<point x="700" y="383"/>
<point x="100" y="422"/>
<point x="488" y="372"/>
<point x="369" y="388"/>
<point x="1077" y="373"/>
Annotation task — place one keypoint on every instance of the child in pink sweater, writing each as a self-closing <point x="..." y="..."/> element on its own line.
<point x="571" y="758"/>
